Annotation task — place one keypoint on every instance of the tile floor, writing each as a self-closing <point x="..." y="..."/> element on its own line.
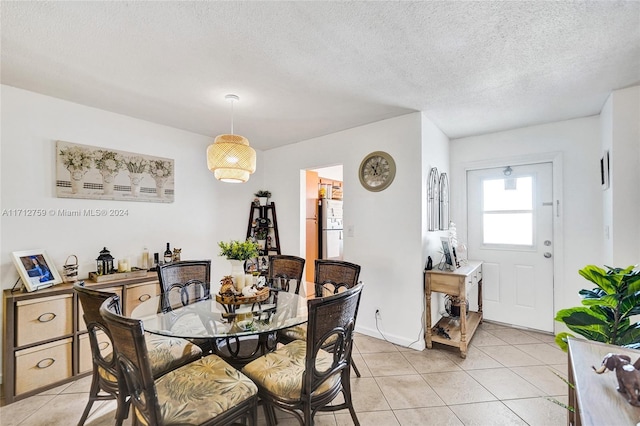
<point x="505" y="380"/>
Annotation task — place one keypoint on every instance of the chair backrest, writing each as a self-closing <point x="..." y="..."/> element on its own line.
<point x="287" y="268"/>
<point x="335" y="276"/>
<point x="184" y="282"/>
<point x="91" y="300"/>
<point x="330" y="317"/>
<point x="133" y="361"/>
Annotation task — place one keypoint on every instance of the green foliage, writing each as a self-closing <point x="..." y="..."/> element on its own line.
<point x="607" y="309"/>
<point x="236" y="250"/>
<point x="263" y="193"/>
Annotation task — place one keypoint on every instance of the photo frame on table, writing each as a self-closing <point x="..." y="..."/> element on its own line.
<point x="36" y="269"/>
<point x="449" y="254"/>
<point x="604" y="170"/>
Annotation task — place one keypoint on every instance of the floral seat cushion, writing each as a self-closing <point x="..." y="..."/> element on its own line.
<point x="280" y="372"/>
<point x="200" y="391"/>
<point x="165" y="354"/>
<point x="299" y="332"/>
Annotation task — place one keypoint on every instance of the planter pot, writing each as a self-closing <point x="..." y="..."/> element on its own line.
<point x="136" y="179"/>
<point x="263" y="201"/>
<point x="107" y="182"/>
<point x="77" y="181"/>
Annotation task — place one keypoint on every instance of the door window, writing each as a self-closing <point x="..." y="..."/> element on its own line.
<point x="507" y="212"/>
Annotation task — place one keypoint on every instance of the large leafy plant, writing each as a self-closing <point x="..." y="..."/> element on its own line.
<point x="607" y="309"/>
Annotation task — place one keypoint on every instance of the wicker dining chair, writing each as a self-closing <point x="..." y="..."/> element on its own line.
<point x="301" y="377"/>
<point x="287" y="268"/>
<point x="331" y="277"/>
<point x="165" y="353"/>
<point x="207" y="391"/>
<point x="188" y="279"/>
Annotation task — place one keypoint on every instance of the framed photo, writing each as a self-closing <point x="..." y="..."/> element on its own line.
<point x="36" y="269"/>
<point x="449" y="253"/>
<point x="604" y="170"/>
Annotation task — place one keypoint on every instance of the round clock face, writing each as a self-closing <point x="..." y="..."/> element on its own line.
<point x="377" y="171"/>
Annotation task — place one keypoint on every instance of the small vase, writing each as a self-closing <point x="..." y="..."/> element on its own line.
<point x="263" y="201"/>
<point x="237" y="273"/>
<point x="160" y="182"/>
<point x="77" y="181"/>
<point x="136" y="179"/>
<point x="107" y="181"/>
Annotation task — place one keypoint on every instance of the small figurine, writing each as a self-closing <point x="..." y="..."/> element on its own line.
<point x="627" y="374"/>
<point x="227" y="288"/>
<point x="176" y="254"/>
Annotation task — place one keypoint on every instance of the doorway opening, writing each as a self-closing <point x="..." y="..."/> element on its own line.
<point x="323" y="232"/>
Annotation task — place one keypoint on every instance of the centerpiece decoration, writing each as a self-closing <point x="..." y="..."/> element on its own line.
<point x="78" y="161"/>
<point x="237" y="253"/>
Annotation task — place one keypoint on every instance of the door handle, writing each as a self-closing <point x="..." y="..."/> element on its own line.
<point x="547" y="255"/>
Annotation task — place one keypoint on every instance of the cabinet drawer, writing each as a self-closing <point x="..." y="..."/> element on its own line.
<point x="136" y="294"/>
<point x="42" y="365"/>
<point x="85" y="359"/>
<point x="82" y="326"/>
<point x="44" y="318"/>
<point x="449" y="284"/>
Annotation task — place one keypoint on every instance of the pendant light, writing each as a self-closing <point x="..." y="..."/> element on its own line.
<point x="230" y="157"/>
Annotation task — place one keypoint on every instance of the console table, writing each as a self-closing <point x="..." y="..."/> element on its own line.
<point x="594" y="396"/>
<point x="455" y="283"/>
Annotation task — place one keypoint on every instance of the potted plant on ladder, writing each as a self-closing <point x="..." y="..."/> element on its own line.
<point x="263" y="197"/>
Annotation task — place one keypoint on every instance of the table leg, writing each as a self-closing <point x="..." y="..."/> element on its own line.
<point x="428" y="315"/>
<point x="463" y="326"/>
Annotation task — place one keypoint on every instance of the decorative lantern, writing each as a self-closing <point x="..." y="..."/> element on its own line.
<point x="104" y="262"/>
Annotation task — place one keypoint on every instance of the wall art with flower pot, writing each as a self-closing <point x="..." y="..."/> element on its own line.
<point x="84" y="171"/>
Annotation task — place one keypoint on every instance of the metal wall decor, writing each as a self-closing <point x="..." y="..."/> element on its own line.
<point x="438" y="201"/>
<point x="84" y="171"/>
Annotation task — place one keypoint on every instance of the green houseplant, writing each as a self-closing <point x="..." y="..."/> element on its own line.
<point x="263" y="197"/>
<point x="236" y="250"/>
<point x="607" y="309"/>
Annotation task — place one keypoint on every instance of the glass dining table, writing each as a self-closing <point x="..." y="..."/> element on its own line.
<point x="238" y="332"/>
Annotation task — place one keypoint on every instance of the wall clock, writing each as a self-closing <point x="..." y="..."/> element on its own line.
<point x="377" y="171"/>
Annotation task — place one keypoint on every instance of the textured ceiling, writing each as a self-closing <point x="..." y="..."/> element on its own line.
<point x="306" y="69"/>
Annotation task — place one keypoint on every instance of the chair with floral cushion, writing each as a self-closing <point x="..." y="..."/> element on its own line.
<point x="207" y="391"/>
<point x="331" y="277"/>
<point x="165" y="353"/>
<point x="301" y="377"/>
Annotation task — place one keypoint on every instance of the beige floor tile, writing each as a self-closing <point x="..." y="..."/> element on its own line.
<point x="62" y="410"/>
<point x="17" y="412"/>
<point x="362" y="367"/>
<point x="377" y="418"/>
<point x="488" y="325"/>
<point x="486" y="414"/>
<point x="510" y="356"/>
<point x="544" y="378"/>
<point x="408" y="392"/>
<point x="505" y="384"/>
<point x="457" y="387"/>
<point x="514" y="336"/>
<point x="476" y="359"/>
<point x="432" y="416"/>
<point x="385" y="364"/>
<point x="368" y="344"/>
<point x="367" y="396"/>
<point x="430" y="361"/>
<point x="546" y="353"/>
<point x="539" y="411"/>
<point x="485" y="338"/>
<point x="79" y="386"/>
<point x="542" y="336"/>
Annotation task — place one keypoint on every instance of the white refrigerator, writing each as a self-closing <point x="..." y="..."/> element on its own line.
<point x="331" y="229"/>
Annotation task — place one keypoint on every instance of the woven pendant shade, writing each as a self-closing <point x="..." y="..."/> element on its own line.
<point x="231" y="159"/>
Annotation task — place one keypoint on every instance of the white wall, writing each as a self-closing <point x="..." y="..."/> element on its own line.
<point x="620" y="130"/>
<point x="387" y="240"/>
<point x="205" y="211"/>
<point x="581" y="205"/>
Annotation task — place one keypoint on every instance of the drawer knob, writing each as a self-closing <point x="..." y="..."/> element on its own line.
<point x="144" y="297"/>
<point x="45" y="363"/>
<point x="103" y="345"/>
<point x="46" y="317"/>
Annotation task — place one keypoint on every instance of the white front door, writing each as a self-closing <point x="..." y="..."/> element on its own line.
<point x="510" y="228"/>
